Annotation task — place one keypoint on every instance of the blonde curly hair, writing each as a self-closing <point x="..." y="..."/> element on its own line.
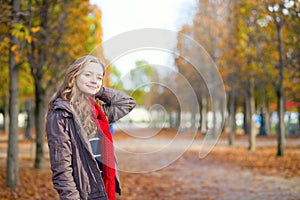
<point x="80" y="102"/>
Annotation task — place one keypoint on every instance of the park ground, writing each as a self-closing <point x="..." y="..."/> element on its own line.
<point x="181" y="167"/>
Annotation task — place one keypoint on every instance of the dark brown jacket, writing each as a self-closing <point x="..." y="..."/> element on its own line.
<point x="75" y="172"/>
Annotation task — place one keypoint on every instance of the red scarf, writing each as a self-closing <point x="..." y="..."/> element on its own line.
<point x="107" y="153"/>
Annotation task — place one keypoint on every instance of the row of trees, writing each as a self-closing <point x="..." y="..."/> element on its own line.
<point x="39" y="40"/>
<point x="255" y="44"/>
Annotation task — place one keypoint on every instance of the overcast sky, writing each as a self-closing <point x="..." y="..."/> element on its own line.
<point x="119" y="16"/>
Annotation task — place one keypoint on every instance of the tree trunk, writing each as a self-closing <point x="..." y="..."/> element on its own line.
<point x="231" y="118"/>
<point x="251" y="101"/>
<point x="178" y="117"/>
<point x="267" y="117"/>
<point x="40" y="112"/>
<point x="247" y="117"/>
<point x="193" y="116"/>
<point x="6" y="114"/>
<point x="280" y="93"/>
<point x="214" y="120"/>
<point x="203" y="115"/>
<point x="37" y="59"/>
<point x="262" y="129"/>
<point x="12" y="167"/>
<point x="27" y="134"/>
<point x="171" y="120"/>
<point x="281" y="127"/>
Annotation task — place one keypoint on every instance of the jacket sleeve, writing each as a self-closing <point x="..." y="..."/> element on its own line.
<point x="116" y="105"/>
<point x="60" y="156"/>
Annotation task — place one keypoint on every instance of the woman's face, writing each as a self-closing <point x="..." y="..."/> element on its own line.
<point x="89" y="81"/>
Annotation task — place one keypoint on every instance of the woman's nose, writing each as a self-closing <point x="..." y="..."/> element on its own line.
<point x="94" y="79"/>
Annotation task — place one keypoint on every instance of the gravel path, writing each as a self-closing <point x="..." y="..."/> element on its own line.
<point x="194" y="178"/>
<point x="158" y="168"/>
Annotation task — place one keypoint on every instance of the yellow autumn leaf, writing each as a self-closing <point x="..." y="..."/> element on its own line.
<point x="35" y="29"/>
<point x="14" y="48"/>
<point x="17" y="57"/>
<point x="30" y="192"/>
<point x="28" y="38"/>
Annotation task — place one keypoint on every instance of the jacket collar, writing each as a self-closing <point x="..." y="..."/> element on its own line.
<point x="61" y="104"/>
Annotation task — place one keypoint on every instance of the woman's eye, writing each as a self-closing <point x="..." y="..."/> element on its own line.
<point x="99" y="78"/>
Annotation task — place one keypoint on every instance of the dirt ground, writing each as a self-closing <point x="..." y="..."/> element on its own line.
<point x="166" y="165"/>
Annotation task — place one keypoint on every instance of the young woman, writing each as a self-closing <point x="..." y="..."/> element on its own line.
<point x="80" y="144"/>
